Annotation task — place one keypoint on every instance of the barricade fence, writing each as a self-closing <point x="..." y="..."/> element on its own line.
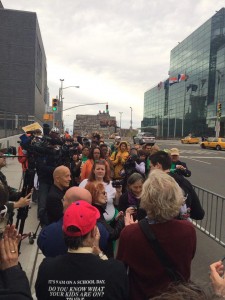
<point x="11" y="123"/>
<point x="213" y="223"/>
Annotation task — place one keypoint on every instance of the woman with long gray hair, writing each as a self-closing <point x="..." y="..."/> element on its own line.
<point x="132" y="197"/>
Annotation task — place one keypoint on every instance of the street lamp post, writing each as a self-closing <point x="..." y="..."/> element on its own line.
<point x="120" y="120"/>
<point x="131" y="117"/>
<point x="61" y="99"/>
<point x="217" y="127"/>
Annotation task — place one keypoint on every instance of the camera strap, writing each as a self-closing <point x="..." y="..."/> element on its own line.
<point x="3" y="211"/>
<point x="173" y="274"/>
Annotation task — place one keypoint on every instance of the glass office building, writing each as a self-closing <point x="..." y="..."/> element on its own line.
<point x="189" y="100"/>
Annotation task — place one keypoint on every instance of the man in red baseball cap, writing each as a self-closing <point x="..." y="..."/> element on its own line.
<point x="84" y="272"/>
<point x="79" y="219"/>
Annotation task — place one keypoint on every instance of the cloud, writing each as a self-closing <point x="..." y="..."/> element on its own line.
<point x="115" y="50"/>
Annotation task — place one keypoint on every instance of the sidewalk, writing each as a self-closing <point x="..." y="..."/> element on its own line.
<point x="30" y="258"/>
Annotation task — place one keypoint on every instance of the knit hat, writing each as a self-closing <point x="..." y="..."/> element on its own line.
<point x="80" y="218"/>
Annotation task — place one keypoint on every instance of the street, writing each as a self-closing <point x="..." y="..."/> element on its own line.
<point x="207" y="166"/>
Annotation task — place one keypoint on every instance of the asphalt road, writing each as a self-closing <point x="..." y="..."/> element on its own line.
<point x="207" y="166"/>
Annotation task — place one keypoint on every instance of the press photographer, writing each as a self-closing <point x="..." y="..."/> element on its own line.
<point x="134" y="163"/>
<point x="16" y="201"/>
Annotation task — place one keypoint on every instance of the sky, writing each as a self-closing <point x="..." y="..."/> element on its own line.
<point x="114" y="50"/>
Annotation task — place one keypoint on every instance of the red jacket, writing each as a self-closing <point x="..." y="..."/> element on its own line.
<point x="22" y="158"/>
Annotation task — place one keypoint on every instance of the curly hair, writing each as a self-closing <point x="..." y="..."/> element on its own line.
<point x="101" y="162"/>
<point x="94" y="189"/>
<point x="161" y="196"/>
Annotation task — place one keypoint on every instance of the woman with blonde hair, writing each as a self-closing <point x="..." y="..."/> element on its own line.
<point x="161" y="198"/>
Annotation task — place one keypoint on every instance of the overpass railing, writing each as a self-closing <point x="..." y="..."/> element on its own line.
<point x="11" y="123"/>
<point x="213" y="224"/>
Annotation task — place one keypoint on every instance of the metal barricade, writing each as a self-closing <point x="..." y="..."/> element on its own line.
<point x="213" y="223"/>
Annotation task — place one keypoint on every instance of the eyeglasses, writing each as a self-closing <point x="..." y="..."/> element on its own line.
<point x="96" y="152"/>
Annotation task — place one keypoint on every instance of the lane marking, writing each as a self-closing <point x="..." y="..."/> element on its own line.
<point x="204" y="157"/>
<point x="204" y="162"/>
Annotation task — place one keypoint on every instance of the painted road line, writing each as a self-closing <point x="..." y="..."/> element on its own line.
<point x="203" y="157"/>
<point x="204" y="162"/>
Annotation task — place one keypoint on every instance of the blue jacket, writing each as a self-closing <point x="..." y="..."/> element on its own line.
<point x="51" y="239"/>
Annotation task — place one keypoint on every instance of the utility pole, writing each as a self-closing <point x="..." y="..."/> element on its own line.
<point x="218" y="105"/>
<point x="131" y="117"/>
<point x="61" y="103"/>
<point x="120" y="120"/>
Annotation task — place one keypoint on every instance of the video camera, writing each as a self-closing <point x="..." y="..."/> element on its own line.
<point x="11" y="151"/>
<point x="69" y="149"/>
<point x="117" y="183"/>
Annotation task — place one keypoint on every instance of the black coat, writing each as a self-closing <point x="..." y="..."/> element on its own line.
<point x="54" y="205"/>
<point x="124" y="204"/>
<point x="197" y="212"/>
<point x="114" y="229"/>
<point x="12" y="194"/>
<point x="186" y="172"/>
<point x="14" y="284"/>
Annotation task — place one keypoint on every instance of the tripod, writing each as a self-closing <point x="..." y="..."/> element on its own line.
<point x="22" y="212"/>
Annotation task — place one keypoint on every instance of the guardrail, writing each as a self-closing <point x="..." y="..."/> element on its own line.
<point x="11" y="123"/>
<point x="213" y="224"/>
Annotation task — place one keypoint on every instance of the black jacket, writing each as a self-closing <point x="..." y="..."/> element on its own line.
<point x="124" y="204"/>
<point x="54" y="206"/>
<point x="197" y="212"/>
<point x="114" y="229"/>
<point x="186" y="172"/>
<point x="14" y="284"/>
<point x="11" y="195"/>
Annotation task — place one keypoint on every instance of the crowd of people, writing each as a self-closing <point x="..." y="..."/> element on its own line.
<point x="116" y="224"/>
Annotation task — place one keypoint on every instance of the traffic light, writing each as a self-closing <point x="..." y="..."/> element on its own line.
<point x="54" y="104"/>
<point x="107" y="108"/>
<point x="219" y="107"/>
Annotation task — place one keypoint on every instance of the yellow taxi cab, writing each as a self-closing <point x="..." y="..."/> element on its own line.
<point x="190" y="140"/>
<point x="214" y="143"/>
